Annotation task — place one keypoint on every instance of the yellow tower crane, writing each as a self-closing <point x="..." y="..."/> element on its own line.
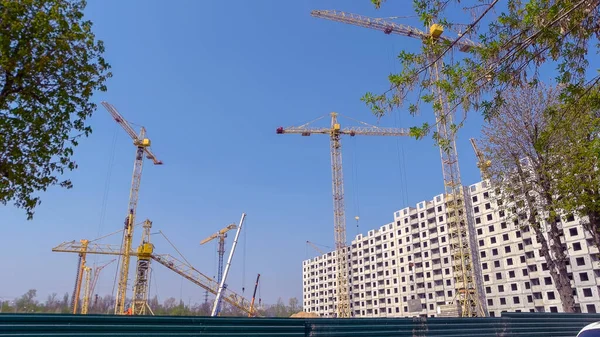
<point x="81" y="265"/>
<point x="92" y="287"/>
<point x="482" y="163"/>
<point x="91" y="247"/>
<point x="339" y="217"/>
<point x="182" y="268"/>
<point x="142" y="145"/>
<point x="467" y="290"/>
<point x="315" y="247"/>
<point x="221" y="235"/>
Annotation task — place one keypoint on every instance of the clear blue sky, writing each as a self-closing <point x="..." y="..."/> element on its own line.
<point x="211" y="81"/>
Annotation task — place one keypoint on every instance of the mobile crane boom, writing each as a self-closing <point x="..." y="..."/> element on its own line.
<point x="217" y="304"/>
<point x="252" y="309"/>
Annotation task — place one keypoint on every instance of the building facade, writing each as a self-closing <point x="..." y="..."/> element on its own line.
<point x="404" y="268"/>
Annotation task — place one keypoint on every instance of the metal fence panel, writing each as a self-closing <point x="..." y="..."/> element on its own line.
<point x="510" y="324"/>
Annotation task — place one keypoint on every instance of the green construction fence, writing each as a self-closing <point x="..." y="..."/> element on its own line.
<point x="510" y="324"/>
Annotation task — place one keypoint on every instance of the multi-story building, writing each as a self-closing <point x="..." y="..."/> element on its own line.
<point x="405" y="268"/>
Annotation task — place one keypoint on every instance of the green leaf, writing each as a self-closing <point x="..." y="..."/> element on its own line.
<point x="52" y="65"/>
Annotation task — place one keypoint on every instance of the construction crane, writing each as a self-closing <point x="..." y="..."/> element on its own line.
<point x="252" y="310"/>
<point x="139" y="303"/>
<point x="92" y="287"/>
<point x="97" y="271"/>
<point x="315" y="247"/>
<point x="467" y="291"/>
<point x="339" y="217"/>
<point x="221" y="235"/>
<point x="142" y="146"/>
<point x="81" y="265"/>
<point x="203" y="281"/>
<point x="85" y="246"/>
<point x="222" y="285"/>
<point x="86" y="290"/>
<point x="182" y="268"/>
<point x="482" y="163"/>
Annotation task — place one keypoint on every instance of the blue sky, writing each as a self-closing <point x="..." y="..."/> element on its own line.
<point x="211" y="81"/>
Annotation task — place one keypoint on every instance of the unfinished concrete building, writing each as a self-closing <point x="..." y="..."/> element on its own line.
<point x="404" y="268"/>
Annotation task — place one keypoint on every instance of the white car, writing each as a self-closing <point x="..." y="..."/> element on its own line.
<point x="590" y="330"/>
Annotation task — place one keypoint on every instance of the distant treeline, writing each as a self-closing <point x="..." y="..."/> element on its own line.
<point x="171" y="306"/>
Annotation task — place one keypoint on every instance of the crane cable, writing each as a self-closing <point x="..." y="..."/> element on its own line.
<point x="216" y="250"/>
<point x="244" y="261"/>
<point x="183" y="257"/>
<point x="177" y="250"/>
<point x="153" y="275"/>
<point x="118" y="260"/>
<point x="355" y="184"/>
<point x="399" y="146"/>
<point x="107" y="179"/>
<point x="111" y="161"/>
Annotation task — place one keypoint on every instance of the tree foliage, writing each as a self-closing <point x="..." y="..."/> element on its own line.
<point x="577" y="178"/>
<point x="514" y="44"/>
<point x="170" y="306"/>
<point x="533" y="175"/>
<point x="50" y="66"/>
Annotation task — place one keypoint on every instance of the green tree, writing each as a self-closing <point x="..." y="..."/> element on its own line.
<point x="27" y="302"/>
<point x="577" y="178"/>
<point x="525" y="161"/>
<point x="50" y="66"/>
<point x="515" y="42"/>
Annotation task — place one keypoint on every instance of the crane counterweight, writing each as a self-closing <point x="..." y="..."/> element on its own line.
<point x="436" y="30"/>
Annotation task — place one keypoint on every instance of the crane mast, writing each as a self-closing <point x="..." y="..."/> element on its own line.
<point x="142" y="273"/>
<point x="468" y="299"/>
<point x="80" y="271"/>
<point x="221" y="235"/>
<point x="86" y="290"/>
<point x="339" y="221"/>
<point x="252" y="309"/>
<point x="142" y="145"/>
<point x="339" y="218"/>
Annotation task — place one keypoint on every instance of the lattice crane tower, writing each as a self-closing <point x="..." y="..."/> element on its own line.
<point x="339" y="216"/>
<point x="86" y="291"/>
<point x="139" y="304"/>
<point x="467" y="292"/>
<point x="221" y="235"/>
<point x="182" y="268"/>
<point x="142" y="146"/>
